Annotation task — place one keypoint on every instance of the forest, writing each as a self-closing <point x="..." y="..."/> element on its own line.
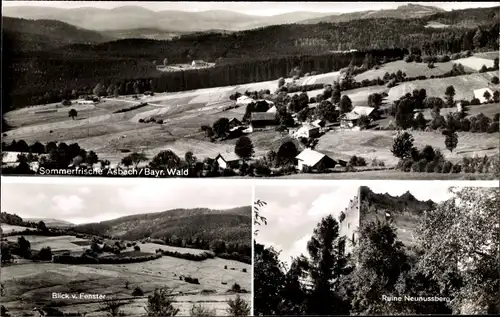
<point x="452" y="267"/>
<point x="46" y="76"/>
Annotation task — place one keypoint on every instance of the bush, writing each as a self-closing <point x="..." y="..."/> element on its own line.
<point x="447" y="166"/>
<point x="456" y="169"/>
<point x="438" y="167"/>
<point x="191" y="280"/>
<point x="430" y="167"/>
<point x="160" y="121"/>
<point x="197" y="310"/>
<point x="137" y="292"/>
<point x="244" y="270"/>
<point x="493" y="127"/>
<point x="357" y="161"/>
<point x="475" y="102"/>
<point x="137" y="248"/>
<point x="225" y="267"/>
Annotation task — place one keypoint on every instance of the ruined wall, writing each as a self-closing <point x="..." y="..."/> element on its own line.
<point x="350" y="223"/>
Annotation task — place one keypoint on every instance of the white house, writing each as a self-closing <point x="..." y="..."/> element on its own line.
<point x="307" y="131"/>
<point x="312" y="159"/>
<point x="228" y="160"/>
<point x="85" y="102"/>
<point x="350" y="119"/>
<point x="244" y="100"/>
<point x="199" y="63"/>
<point x="479" y="94"/>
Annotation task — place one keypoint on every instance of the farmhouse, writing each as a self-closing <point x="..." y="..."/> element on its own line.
<point x="312" y="159"/>
<point x="350" y="119"/>
<point x="479" y="94"/>
<point x="307" y="131"/>
<point x="460" y="107"/>
<point x="85" y="102"/>
<point x="262" y="119"/>
<point x="229" y="160"/>
<point x="318" y="123"/>
<point x="199" y="63"/>
<point x="244" y="101"/>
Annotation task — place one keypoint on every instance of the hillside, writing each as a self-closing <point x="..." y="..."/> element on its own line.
<point x="45" y="34"/>
<point x="78" y="66"/>
<point x="50" y="222"/>
<point x="208" y="224"/>
<point x="402" y="12"/>
<point x="136" y="17"/>
<point x="397" y="204"/>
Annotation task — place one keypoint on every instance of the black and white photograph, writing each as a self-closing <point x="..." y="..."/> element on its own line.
<point x="307" y="90"/>
<point x="387" y="248"/>
<point x="80" y="247"/>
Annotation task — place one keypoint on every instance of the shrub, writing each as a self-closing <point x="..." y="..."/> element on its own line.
<point x="137" y="291"/>
<point x="456" y="168"/>
<point x="238" y="307"/>
<point x="493" y="127"/>
<point x="197" y="310"/>
<point x="447" y="166"/>
<point x="438" y="167"/>
<point x="160" y="303"/>
<point x="236" y="288"/>
<point x="191" y="280"/>
<point x="160" y="121"/>
<point x="137" y="248"/>
<point x="357" y="161"/>
<point x="430" y="167"/>
<point x="225" y="267"/>
<point x="475" y="102"/>
<point x="244" y="270"/>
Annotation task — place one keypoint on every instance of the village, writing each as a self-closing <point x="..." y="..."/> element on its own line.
<point x="306" y="124"/>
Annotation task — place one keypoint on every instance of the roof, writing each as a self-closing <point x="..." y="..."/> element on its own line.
<point x="313" y="105"/>
<point x="350" y="116"/>
<point x="199" y="61"/>
<point x="310" y="157"/>
<point x="479" y="94"/>
<point x="234" y="119"/>
<point x="272" y="109"/>
<point x="363" y="110"/>
<point x="263" y="116"/>
<point x="244" y="99"/>
<point x="228" y="157"/>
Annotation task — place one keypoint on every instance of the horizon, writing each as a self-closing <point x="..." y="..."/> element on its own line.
<point x="272" y="9"/>
<point x="96" y="201"/>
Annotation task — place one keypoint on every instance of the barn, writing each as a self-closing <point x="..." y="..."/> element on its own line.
<point x="313" y="159"/>
<point x="350" y="119"/>
<point x="228" y="160"/>
<point x="307" y="131"/>
<point x="263" y="119"/>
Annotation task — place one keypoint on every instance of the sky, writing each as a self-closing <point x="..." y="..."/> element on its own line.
<point x="85" y="201"/>
<point x="271" y="8"/>
<point x="293" y="211"/>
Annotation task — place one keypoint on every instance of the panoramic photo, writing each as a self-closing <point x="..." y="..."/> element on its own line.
<point x="396" y="248"/>
<point x="100" y="249"/>
<point x="378" y="90"/>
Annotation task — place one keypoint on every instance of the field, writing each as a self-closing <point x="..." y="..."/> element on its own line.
<point x="9" y="228"/>
<point x="32" y="284"/>
<point x="377" y="144"/>
<point x="488" y="110"/>
<point x="60" y="243"/>
<point x="411" y="69"/>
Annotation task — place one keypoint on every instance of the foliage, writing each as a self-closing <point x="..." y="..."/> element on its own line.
<point x="238" y="307"/>
<point x="345" y="104"/>
<point x="451" y="141"/>
<point x="160" y="303"/>
<point x="244" y="148"/>
<point x="198" y="310"/>
<point x="402" y="145"/>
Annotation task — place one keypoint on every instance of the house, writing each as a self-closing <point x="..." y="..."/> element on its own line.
<point x="199" y="63"/>
<point x="350" y="119"/>
<point x="479" y="94"/>
<point x="312" y="159"/>
<point x="263" y="119"/>
<point x="318" y="123"/>
<point x="244" y="100"/>
<point x="307" y="131"/>
<point x="460" y="107"/>
<point x="228" y="160"/>
<point x="233" y="123"/>
<point x="313" y="105"/>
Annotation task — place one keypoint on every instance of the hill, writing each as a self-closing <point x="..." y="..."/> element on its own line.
<point x="45" y="34"/>
<point x="208" y="224"/>
<point x="51" y="222"/>
<point x="136" y="17"/>
<point x="402" y="12"/>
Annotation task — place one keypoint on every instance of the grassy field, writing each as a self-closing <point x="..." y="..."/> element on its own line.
<point x="377" y="144"/>
<point x="55" y="243"/>
<point x="9" y="228"/>
<point x="411" y="69"/>
<point x="488" y="110"/>
<point x="464" y="86"/>
<point x="31" y="285"/>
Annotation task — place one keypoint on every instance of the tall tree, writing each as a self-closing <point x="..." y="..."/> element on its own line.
<point x="72" y="113"/>
<point x="327" y="265"/>
<point x="450" y="94"/>
<point x="244" y="148"/>
<point x="451" y="140"/>
<point x="345" y="104"/>
<point x="402" y="145"/>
